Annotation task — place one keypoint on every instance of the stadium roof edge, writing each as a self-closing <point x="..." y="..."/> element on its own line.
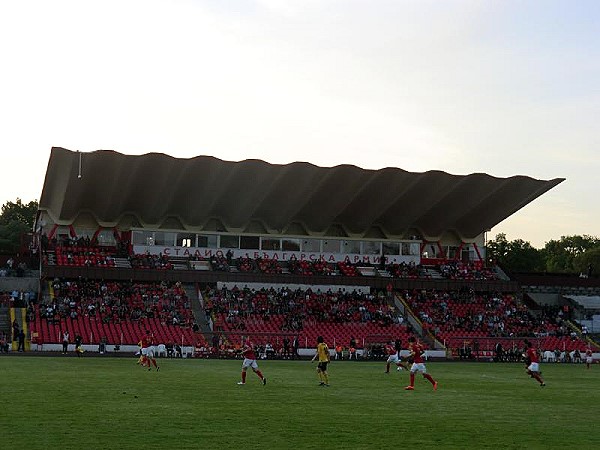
<point x="155" y="186"/>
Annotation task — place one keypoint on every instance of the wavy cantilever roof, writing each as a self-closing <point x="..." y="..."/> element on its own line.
<point x="153" y="190"/>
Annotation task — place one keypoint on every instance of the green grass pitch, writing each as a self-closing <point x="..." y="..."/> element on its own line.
<point x="112" y="403"/>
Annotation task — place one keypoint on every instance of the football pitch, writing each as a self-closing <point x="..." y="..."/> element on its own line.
<point x="112" y="403"/>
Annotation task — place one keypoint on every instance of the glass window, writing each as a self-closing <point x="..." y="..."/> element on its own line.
<point x="465" y="255"/>
<point x="207" y="240"/>
<point x="186" y="240"/>
<point x="415" y="248"/>
<point x="139" y="237"/>
<point x="351" y="247"/>
<point x="430" y="251"/>
<point x="290" y="245"/>
<point x="85" y="232"/>
<point x="452" y="252"/>
<point x="311" y="245"/>
<point x="371" y="248"/>
<point x="391" y="248"/>
<point x="166" y="238"/>
<point x="250" y="242"/>
<point x="62" y="233"/>
<point x="106" y="237"/>
<point x="270" y="244"/>
<point x="473" y="254"/>
<point x="331" y="246"/>
<point x="228" y="241"/>
<point x="63" y="230"/>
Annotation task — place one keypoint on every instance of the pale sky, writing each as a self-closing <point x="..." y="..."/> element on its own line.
<point x="501" y="87"/>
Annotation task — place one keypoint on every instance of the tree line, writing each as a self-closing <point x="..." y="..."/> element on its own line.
<point x="16" y="220"/>
<point x="569" y="254"/>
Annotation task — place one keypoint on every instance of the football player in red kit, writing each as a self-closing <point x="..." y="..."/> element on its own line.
<point x="533" y="367"/>
<point x="393" y="351"/>
<point x="416" y="355"/>
<point x="250" y="361"/>
<point x="589" y="358"/>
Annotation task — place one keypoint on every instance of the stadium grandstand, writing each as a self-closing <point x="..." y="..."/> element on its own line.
<point x="202" y="251"/>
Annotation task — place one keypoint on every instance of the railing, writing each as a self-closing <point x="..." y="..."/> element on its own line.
<point x="197" y="276"/>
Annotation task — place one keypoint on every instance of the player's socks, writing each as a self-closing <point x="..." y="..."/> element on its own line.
<point x="412" y="379"/>
<point x="431" y="380"/>
<point x="260" y="375"/>
<point x="243" y="377"/>
<point x="326" y="379"/>
<point x="387" y="368"/>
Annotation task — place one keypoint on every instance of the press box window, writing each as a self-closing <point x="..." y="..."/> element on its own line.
<point x="249" y="242"/>
<point x="351" y="247"/>
<point x="207" y="240"/>
<point x="311" y="245"/>
<point x="186" y="240"/>
<point x="271" y="244"/>
<point x="228" y="241"/>
<point x="290" y="245"/>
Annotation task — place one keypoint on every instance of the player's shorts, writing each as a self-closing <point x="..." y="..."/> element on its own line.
<point x="322" y="366"/>
<point x="144" y="351"/>
<point x="149" y="352"/>
<point x="533" y="367"/>
<point x="393" y="359"/>
<point x="418" y="367"/>
<point x="249" y="363"/>
<point x="589" y="360"/>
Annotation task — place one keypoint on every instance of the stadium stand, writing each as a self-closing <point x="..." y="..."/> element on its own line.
<point x="119" y="267"/>
<point x="454" y="317"/>
<point x="117" y="311"/>
<point x="337" y="316"/>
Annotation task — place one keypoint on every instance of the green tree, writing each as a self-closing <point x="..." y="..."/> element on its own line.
<point x="560" y="255"/>
<point x="515" y="256"/>
<point x="16" y="219"/>
<point x="497" y="249"/>
<point x="588" y="261"/>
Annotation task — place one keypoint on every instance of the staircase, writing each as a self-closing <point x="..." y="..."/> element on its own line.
<point x="122" y="263"/>
<point x="430" y="272"/>
<point x="501" y="274"/>
<point x="19" y="315"/>
<point x="383" y="273"/>
<point x="587" y="339"/>
<point x="198" y="309"/>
